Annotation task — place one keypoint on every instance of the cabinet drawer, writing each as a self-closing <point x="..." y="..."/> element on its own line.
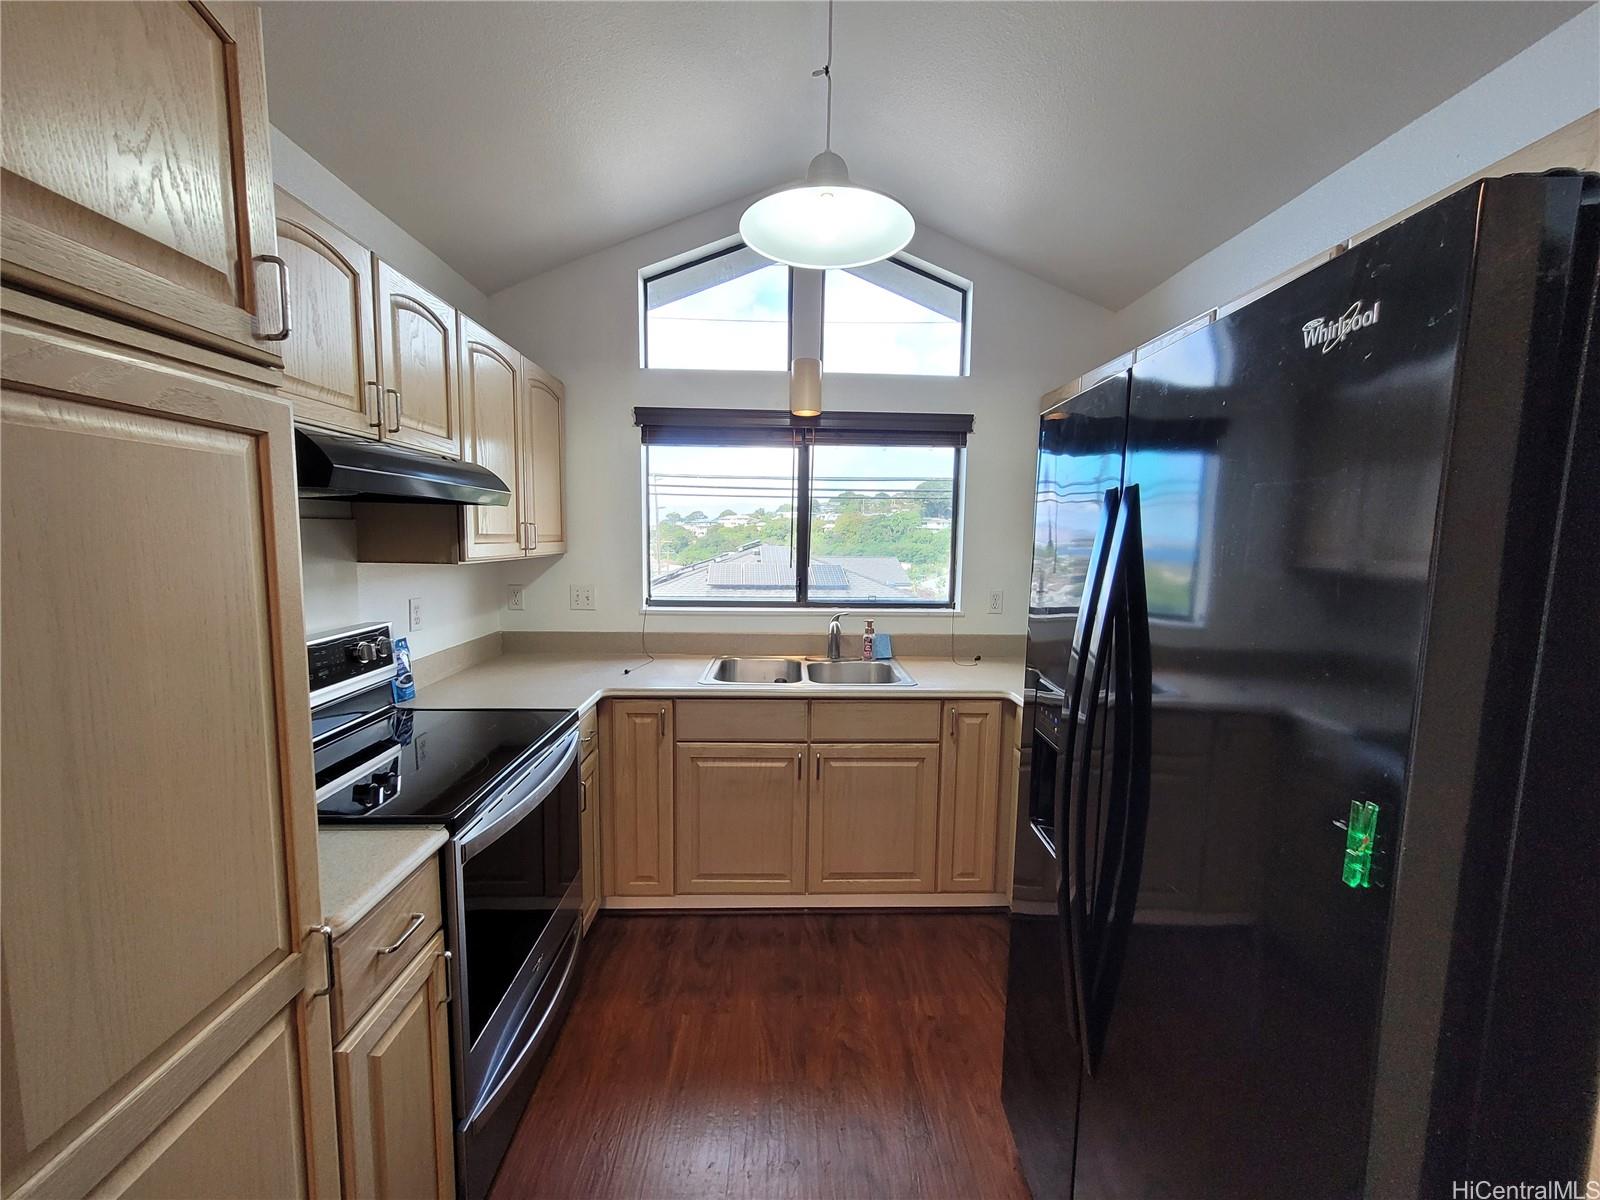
<point x="741" y="720"/>
<point x="360" y="971"/>
<point x="875" y="720"/>
<point x="589" y="732"/>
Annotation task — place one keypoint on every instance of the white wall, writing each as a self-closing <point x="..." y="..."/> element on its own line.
<point x="581" y="321"/>
<point x="298" y="173"/>
<point x="459" y="603"/>
<point x="1550" y="84"/>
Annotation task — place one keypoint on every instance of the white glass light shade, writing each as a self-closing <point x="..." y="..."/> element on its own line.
<point x="826" y="221"/>
<point x="805" y="387"/>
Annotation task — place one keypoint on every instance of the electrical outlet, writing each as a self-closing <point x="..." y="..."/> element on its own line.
<point x="997" y="601"/>
<point x="580" y="597"/>
<point x="414" y="611"/>
<point x="514" y="597"/>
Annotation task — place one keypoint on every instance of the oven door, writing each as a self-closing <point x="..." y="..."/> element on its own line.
<point x="513" y="892"/>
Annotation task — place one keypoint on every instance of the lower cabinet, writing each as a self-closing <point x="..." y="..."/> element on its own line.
<point x="795" y="797"/>
<point x="636" y="760"/>
<point x="741" y="817"/>
<point x="874" y="818"/>
<point x="589" y="785"/>
<point x="393" y="1071"/>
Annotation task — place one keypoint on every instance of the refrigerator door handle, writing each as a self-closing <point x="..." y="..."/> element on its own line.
<point x="1072" y="822"/>
<point x="1126" y="603"/>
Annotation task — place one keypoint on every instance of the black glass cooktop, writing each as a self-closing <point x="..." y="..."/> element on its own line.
<point x="423" y="766"/>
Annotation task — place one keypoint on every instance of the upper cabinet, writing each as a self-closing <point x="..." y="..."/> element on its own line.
<point x="491" y="409"/>
<point x="418" y="352"/>
<point x="547" y="533"/>
<point x="135" y="167"/>
<point x="330" y="359"/>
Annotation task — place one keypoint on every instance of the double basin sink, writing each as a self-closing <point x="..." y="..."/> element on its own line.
<point x="772" y="672"/>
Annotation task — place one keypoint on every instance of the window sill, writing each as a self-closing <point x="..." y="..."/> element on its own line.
<point x="723" y="610"/>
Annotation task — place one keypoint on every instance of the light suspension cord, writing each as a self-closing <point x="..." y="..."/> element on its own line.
<point x="827" y="74"/>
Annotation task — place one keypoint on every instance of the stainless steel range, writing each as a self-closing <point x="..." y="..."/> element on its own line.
<point x="504" y="782"/>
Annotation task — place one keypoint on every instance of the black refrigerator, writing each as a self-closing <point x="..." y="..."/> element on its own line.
<point x="1307" y="864"/>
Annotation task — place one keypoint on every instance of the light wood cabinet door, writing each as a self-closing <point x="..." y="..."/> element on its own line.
<point x="496" y="438"/>
<point x="636" y="820"/>
<point x="395" y="1124"/>
<point x="158" y="874"/>
<point x="330" y="359"/>
<point x="544" y="459"/>
<point x="417" y="350"/>
<point x="969" y="796"/>
<point x="135" y="168"/>
<point x="741" y="818"/>
<point x="873" y="818"/>
<point x="589" y="790"/>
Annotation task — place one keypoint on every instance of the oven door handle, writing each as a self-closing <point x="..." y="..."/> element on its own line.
<point x="488" y="827"/>
<point x="356" y="774"/>
<point x="490" y="1102"/>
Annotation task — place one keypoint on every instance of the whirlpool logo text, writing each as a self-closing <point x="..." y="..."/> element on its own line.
<point x="1320" y="331"/>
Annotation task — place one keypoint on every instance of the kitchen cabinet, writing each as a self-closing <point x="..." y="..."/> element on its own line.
<point x="496" y="429"/>
<point x="969" y="796"/>
<point x="393" y="1069"/>
<point x="589" y="806"/>
<point x="542" y="458"/>
<point x="136" y="167"/>
<point x="419" y="357"/>
<point x="873" y="818"/>
<point x="330" y="358"/>
<point x="165" y="977"/>
<point x="740" y="817"/>
<point x="636" y="815"/>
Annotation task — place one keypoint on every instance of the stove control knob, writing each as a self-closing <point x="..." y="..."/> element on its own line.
<point x="384" y="646"/>
<point x="364" y="652"/>
<point x="368" y="795"/>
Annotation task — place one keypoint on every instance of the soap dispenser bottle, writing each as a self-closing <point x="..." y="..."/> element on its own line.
<point x="866" y="642"/>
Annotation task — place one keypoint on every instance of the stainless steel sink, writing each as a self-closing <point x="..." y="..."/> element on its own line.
<point x="747" y="671"/>
<point x="849" y="673"/>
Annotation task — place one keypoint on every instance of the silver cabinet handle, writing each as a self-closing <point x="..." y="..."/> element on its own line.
<point x="533" y="534"/>
<point x="396" y="395"/>
<point x="799" y="765"/>
<point x="661" y="723"/>
<point x="819" y="768"/>
<point x="416" y="923"/>
<point x="952" y="720"/>
<point x="583" y="797"/>
<point x="283" y="297"/>
<point x="449" y="993"/>
<point x="327" y="958"/>
<point x="377" y="404"/>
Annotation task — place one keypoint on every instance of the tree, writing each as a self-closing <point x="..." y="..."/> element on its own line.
<point x="934" y="495"/>
<point x="697" y="515"/>
<point x="727" y="512"/>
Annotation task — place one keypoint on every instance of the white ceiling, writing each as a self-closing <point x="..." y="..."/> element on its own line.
<point x="1099" y="146"/>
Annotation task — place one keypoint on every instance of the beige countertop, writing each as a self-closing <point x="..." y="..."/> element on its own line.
<point x="360" y="866"/>
<point x="580" y="681"/>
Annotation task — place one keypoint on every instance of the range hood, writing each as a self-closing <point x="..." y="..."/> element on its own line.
<point x="332" y="466"/>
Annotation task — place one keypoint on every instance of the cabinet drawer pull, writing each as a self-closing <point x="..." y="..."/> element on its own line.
<point x="819" y="768"/>
<point x="533" y="535"/>
<point x="799" y="765"/>
<point x="416" y="923"/>
<point x="661" y="723"/>
<point x="395" y="393"/>
<point x="283" y="297"/>
<point x="952" y="720"/>
<point x="449" y="993"/>
<point x="377" y="397"/>
<point x="583" y="797"/>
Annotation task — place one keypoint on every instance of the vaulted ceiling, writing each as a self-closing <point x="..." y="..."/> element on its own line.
<point x="1099" y="146"/>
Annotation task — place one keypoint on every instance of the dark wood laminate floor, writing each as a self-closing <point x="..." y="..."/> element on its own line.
<point x="785" y="1056"/>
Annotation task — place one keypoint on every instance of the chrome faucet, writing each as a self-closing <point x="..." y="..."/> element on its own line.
<point x="833" y="636"/>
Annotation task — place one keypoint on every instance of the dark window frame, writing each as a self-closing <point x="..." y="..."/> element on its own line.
<point x="667" y="272"/>
<point x="760" y="427"/>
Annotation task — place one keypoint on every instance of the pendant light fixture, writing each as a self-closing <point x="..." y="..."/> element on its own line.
<point x="825" y="220"/>
<point x="805" y="387"/>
